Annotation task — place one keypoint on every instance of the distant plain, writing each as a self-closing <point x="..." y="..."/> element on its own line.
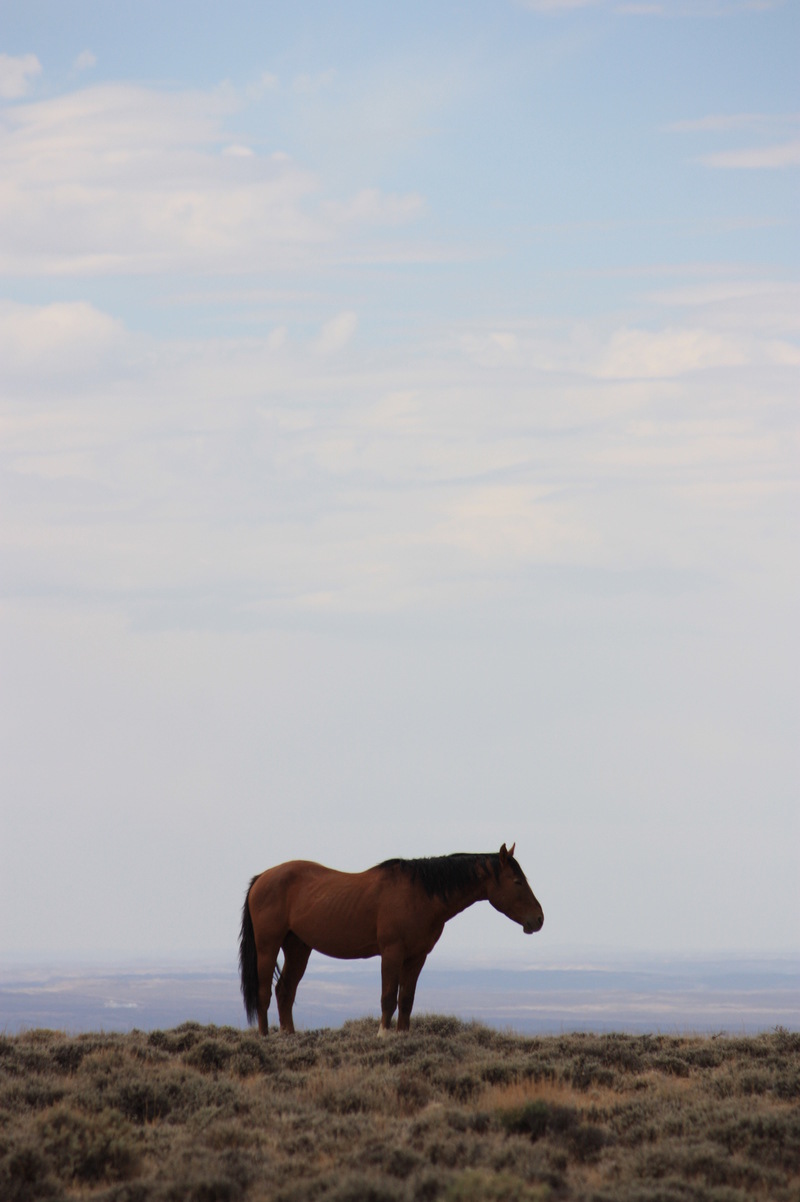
<point x="628" y="995"/>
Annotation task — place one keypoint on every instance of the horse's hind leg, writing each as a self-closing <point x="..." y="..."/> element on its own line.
<point x="295" y="959"/>
<point x="267" y="959"/>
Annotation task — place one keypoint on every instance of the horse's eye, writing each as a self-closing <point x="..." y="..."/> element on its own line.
<point x="518" y="882"/>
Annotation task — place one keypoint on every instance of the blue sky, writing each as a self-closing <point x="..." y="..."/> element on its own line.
<point x="399" y="456"/>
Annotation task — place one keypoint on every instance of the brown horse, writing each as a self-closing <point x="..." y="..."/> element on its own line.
<point x="396" y="910"/>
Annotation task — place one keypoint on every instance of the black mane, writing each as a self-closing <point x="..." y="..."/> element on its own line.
<point x="441" y="876"/>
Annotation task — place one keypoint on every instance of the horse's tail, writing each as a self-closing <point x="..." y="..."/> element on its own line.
<point x="248" y="960"/>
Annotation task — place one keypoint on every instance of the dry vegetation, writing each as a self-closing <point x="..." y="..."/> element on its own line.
<point x="453" y="1111"/>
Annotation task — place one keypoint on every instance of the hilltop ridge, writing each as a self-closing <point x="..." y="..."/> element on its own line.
<point x="454" y="1111"/>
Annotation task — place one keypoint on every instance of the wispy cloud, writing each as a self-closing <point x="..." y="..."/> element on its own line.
<point x="555" y="6"/>
<point x="374" y="207"/>
<point x="17" y="74"/>
<point x="779" y="144"/>
<point x="764" y="123"/>
<point x="237" y="150"/>
<point x="661" y="354"/>
<point x="129" y="179"/>
<point x="336" y="333"/>
<point x="267" y="82"/>
<point x="406" y="484"/>
<point x="655" y="8"/>
<point x="64" y="338"/>
<point x="85" y="61"/>
<point x="308" y="84"/>
<point x="744" y="306"/>
<point x="756" y="158"/>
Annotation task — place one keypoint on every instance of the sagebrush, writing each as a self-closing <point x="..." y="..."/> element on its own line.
<point x="453" y="1111"/>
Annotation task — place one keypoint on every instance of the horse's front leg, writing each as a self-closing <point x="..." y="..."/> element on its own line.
<point x="391" y="966"/>
<point x="408" y="985"/>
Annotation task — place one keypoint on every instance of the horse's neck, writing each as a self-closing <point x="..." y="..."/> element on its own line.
<point x="456" y="902"/>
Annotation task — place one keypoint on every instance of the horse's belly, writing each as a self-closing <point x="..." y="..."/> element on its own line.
<point x="336" y="915"/>
<point x="341" y="952"/>
<point x="336" y="936"/>
<point x="342" y="945"/>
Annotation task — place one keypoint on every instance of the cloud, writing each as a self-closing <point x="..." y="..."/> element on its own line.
<point x="756" y="158"/>
<point x="660" y="354"/>
<point x="236" y="481"/>
<point x="711" y="327"/>
<point x="373" y="207"/>
<point x="16" y="74"/>
<point x="505" y="340"/>
<point x="277" y="338"/>
<point x="510" y="522"/>
<point x="721" y="122"/>
<point x="135" y="180"/>
<point x="53" y="340"/>
<point x="336" y="333"/>
<point x="309" y="85"/>
<point x="779" y="148"/>
<point x="85" y="61"/>
<point x="654" y="8"/>
<point x="718" y="8"/>
<point x="744" y="306"/>
<point x="716" y="325"/>
<point x="552" y="6"/>
<point x="237" y="151"/>
<point x="266" y="82"/>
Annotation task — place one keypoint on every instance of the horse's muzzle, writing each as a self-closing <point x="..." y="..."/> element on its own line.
<point x="535" y="925"/>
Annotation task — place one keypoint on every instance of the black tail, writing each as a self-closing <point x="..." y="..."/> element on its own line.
<point x="248" y="960"/>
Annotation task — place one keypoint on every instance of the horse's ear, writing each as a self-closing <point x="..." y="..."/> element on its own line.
<point x="503" y="854"/>
<point x="511" y="850"/>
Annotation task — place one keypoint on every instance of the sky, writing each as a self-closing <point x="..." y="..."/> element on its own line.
<point x="399" y="456"/>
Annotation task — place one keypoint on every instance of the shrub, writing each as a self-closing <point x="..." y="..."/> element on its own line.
<point x="101" y="1148"/>
<point x="214" y="1114"/>
<point x="209" y="1055"/>
<point x="25" y="1176"/>
<point x="477" y="1185"/>
<point x="536" y="1119"/>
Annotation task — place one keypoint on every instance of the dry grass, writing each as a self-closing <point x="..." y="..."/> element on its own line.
<point x="454" y="1111"/>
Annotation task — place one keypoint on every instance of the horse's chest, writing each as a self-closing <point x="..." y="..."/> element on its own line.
<point x="417" y="932"/>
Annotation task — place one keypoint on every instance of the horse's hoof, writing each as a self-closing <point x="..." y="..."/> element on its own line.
<point x="383" y="1032"/>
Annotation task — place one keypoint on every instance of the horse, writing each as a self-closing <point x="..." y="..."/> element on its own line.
<point x="396" y="910"/>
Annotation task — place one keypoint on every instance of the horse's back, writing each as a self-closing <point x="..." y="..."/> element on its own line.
<point x="282" y="874"/>
<point x="334" y="912"/>
<point x="272" y="889"/>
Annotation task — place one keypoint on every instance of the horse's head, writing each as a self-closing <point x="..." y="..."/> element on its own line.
<point x="511" y="894"/>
